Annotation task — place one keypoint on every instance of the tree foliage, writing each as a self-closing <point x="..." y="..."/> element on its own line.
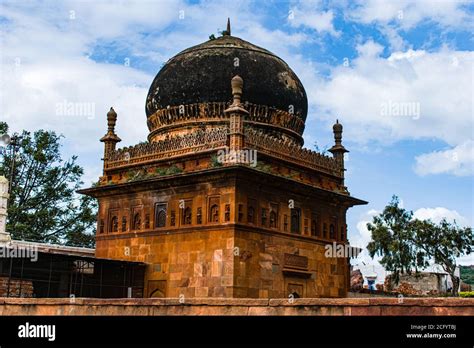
<point x="406" y="244"/>
<point x="43" y="204"/>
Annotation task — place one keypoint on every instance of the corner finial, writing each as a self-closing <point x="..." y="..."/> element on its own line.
<point x="237" y="84"/>
<point x="337" y="129"/>
<point x="111" y="120"/>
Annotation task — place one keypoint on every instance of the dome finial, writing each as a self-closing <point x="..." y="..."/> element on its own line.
<point x="227" y="32"/>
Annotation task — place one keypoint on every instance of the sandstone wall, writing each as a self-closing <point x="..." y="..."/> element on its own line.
<point x="197" y="264"/>
<point x="222" y="306"/>
<point x="275" y="265"/>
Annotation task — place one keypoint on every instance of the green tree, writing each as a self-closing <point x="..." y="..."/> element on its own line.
<point x="391" y="238"/>
<point x="43" y="204"/>
<point x="408" y="244"/>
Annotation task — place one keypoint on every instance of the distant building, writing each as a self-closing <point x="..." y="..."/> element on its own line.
<point x="430" y="281"/>
<point x="374" y="271"/>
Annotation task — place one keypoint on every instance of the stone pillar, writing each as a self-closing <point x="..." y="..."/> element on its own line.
<point x="4" y="235"/>
<point x="237" y="114"/>
<point x="110" y="139"/>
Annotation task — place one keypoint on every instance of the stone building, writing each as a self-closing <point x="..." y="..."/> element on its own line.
<point x="223" y="200"/>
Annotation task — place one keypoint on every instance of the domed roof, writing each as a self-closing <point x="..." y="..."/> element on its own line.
<point x="203" y="73"/>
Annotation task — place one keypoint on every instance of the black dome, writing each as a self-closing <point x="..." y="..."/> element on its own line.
<point x="203" y="73"/>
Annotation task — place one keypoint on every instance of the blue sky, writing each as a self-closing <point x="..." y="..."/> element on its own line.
<point x="355" y="58"/>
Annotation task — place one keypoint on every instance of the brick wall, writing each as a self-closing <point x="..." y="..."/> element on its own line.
<point x="16" y="288"/>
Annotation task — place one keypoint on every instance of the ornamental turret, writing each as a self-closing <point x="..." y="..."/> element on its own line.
<point x="236" y="113"/>
<point x="338" y="150"/>
<point x="110" y="139"/>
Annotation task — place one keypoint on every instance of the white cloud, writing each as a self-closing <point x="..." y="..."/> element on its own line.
<point x="362" y="235"/>
<point x="439" y="83"/>
<point x="111" y="19"/>
<point x="394" y="38"/>
<point x="42" y="86"/>
<point x="408" y="13"/>
<point x="412" y="94"/>
<point x="458" y="161"/>
<point x="275" y="40"/>
<point x="439" y="213"/>
<point x="369" y="50"/>
<point x="309" y="14"/>
<point x="394" y="17"/>
<point x="360" y="238"/>
<point x="94" y="19"/>
<point x="409" y="55"/>
<point x="38" y="75"/>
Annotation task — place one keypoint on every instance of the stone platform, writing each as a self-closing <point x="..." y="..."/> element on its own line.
<point x="241" y="307"/>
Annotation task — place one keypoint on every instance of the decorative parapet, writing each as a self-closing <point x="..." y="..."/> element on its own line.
<point x="291" y="152"/>
<point x="217" y="138"/>
<point x="171" y="147"/>
<point x="202" y="112"/>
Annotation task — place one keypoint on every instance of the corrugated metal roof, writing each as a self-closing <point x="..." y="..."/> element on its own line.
<point x="54" y="248"/>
